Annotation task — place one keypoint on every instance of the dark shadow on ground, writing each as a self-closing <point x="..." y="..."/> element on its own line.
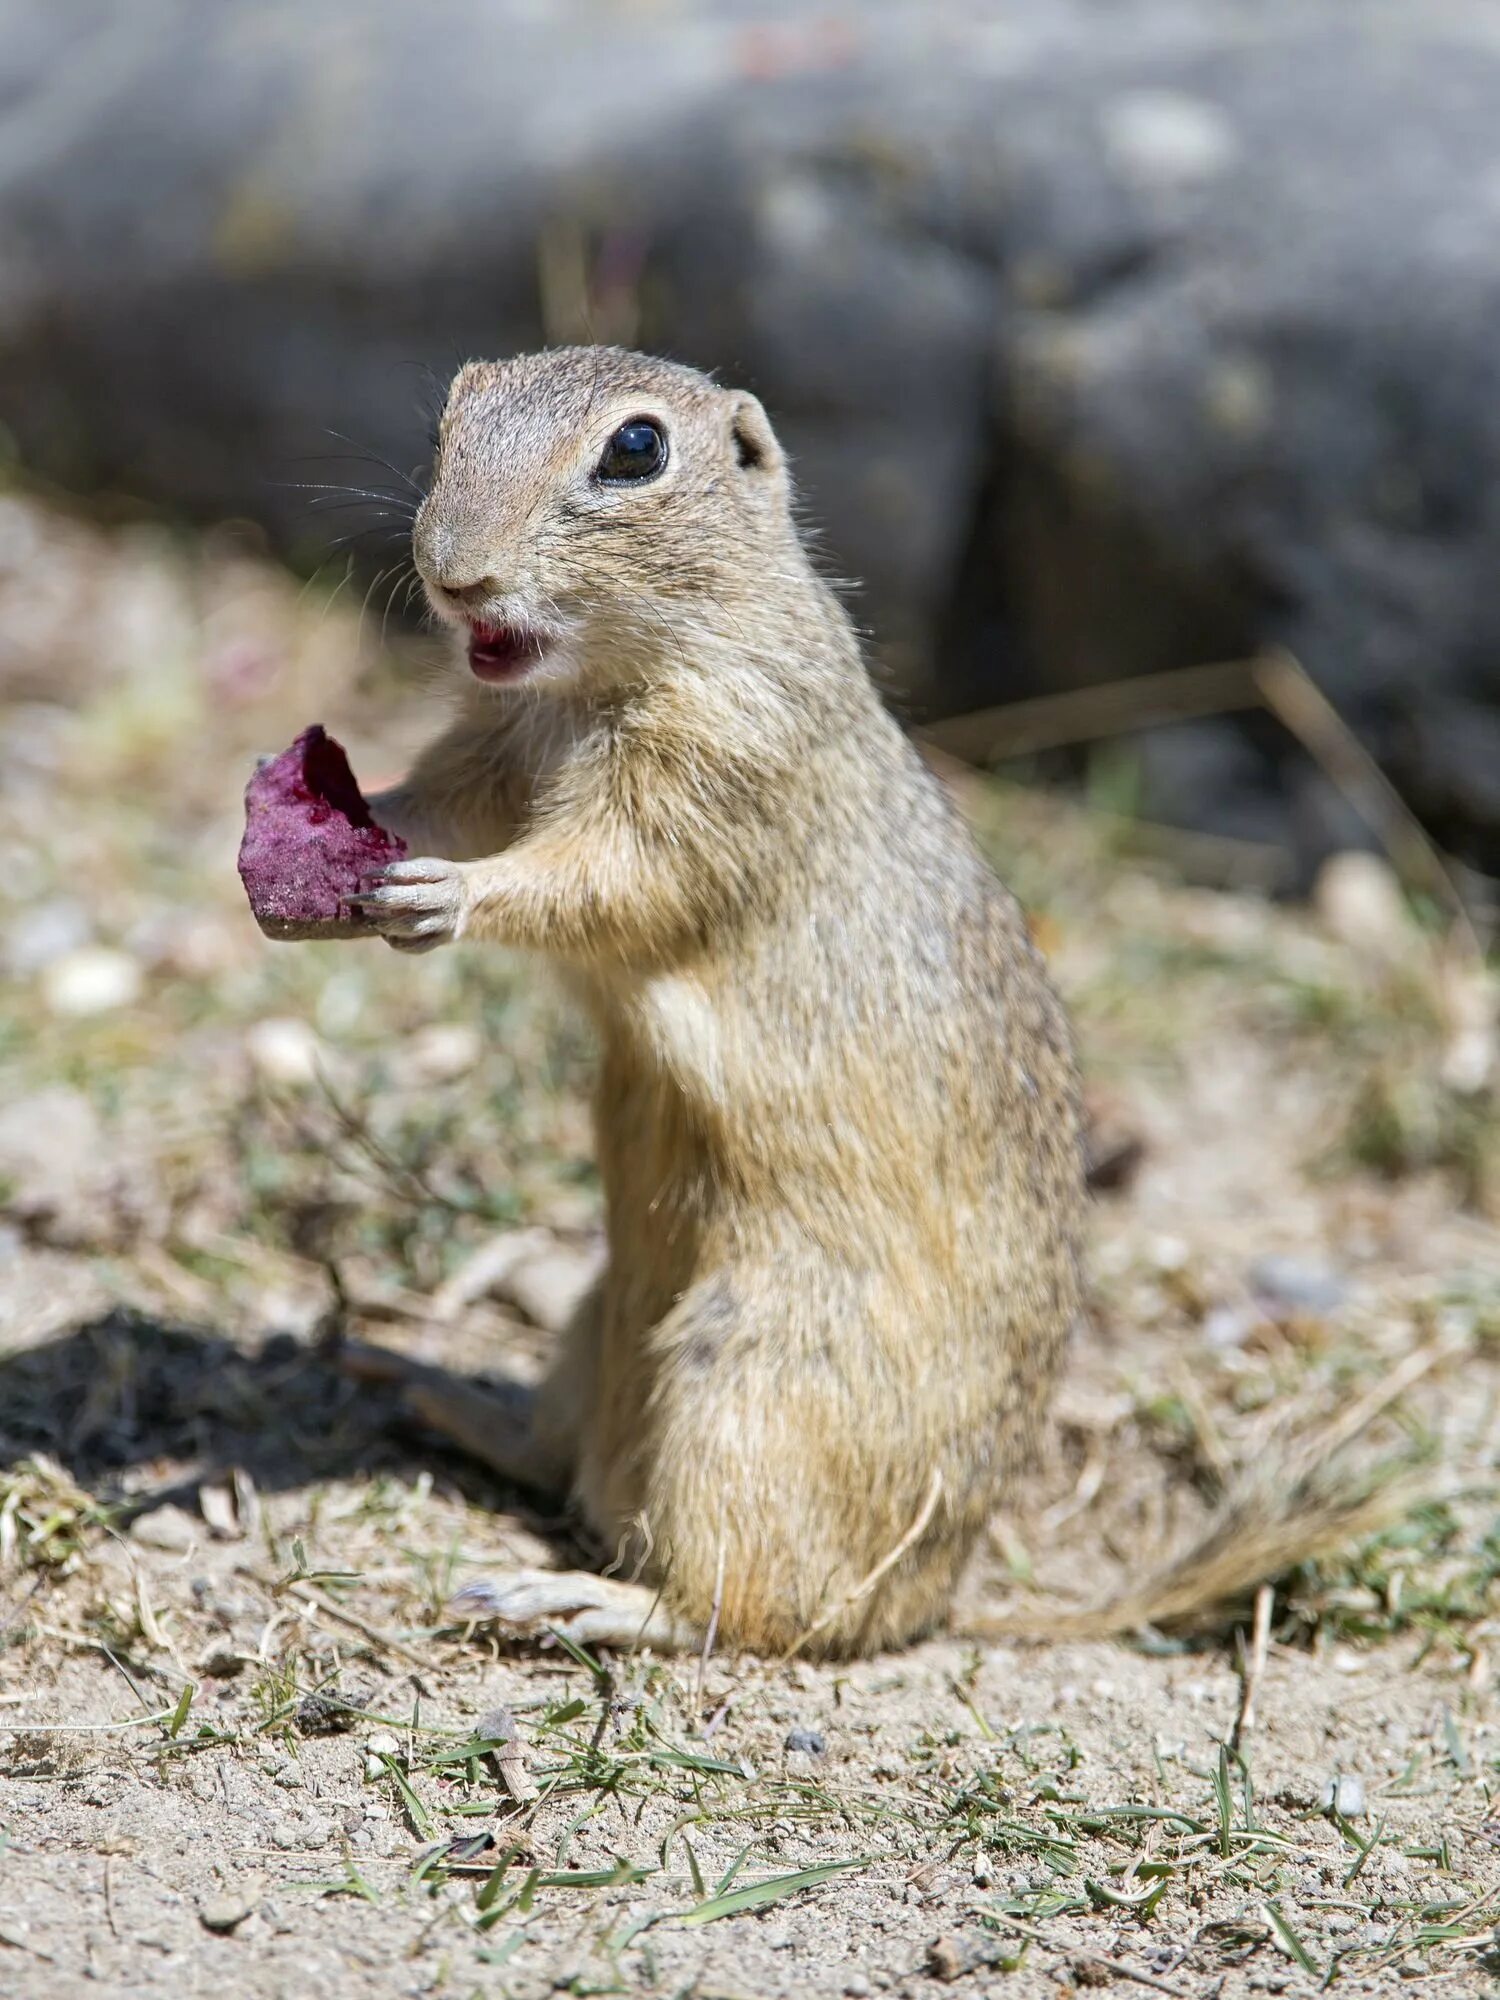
<point x="127" y="1395"/>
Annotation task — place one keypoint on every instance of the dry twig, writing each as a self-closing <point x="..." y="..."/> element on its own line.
<point x="866" y="1584"/>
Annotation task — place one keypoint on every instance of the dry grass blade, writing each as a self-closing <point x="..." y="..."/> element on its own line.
<point x="1081" y="715"/>
<point x="866" y="1584"/>
<point x="1295" y="699"/>
<point x="498" y="1726"/>
<point x="386" y="1641"/>
<point x="1254" y="1658"/>
<point x="1274" y="680"/>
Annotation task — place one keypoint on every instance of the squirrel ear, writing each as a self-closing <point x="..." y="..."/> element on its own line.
<point x="755" y="446"/>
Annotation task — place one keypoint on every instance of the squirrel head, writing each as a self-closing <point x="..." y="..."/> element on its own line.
<point x="591" y="510"/>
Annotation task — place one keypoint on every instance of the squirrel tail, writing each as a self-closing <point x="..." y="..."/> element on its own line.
<point x="1260" y="1531"/>
<point x="1302" y="1502"/>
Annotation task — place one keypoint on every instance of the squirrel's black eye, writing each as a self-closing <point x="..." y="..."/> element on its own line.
<point x="638" y="450"/>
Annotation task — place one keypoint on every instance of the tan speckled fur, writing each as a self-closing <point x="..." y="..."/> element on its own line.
<point x="836" y="1114"/>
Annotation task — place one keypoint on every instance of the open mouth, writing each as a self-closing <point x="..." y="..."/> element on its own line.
<point x="501" y="653"/>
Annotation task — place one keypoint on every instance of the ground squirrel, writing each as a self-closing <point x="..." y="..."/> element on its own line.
<point x="837" y="1119"/>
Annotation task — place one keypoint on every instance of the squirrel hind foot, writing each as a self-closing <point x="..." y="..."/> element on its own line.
<point x="590" y="1610"/>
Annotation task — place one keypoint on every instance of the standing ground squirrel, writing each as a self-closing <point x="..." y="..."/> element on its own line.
<point x="837" y="1119"/>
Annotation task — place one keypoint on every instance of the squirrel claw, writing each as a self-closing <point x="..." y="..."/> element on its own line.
<point x="416" y="905"/>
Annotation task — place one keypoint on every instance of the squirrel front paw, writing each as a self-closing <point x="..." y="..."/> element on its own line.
<point x="416" y="905"/>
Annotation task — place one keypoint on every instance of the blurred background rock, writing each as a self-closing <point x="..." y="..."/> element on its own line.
<point x="1107" y="337"/>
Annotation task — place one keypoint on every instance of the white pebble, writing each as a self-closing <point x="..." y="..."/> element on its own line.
<point x="439" y="1053"/>
<point x="91" y="980"/>
<point x="1359" y="899"/>
<point x="167" y="1527"/>
<point x="1168" y="1255"/>
<point x="1228" y="1327"/>
<point x="284" y="1051"/>
<point x="1345" y="1795"/>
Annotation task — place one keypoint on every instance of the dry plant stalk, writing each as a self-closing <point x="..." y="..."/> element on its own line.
<point x="1463" y="987"/>
<point x="868" y="1582"/>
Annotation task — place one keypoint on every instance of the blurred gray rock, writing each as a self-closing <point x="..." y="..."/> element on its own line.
<point x="1109" y="335"/>
<point x="1289" y="1286"/>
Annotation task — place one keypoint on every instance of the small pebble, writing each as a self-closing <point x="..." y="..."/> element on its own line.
<point x="1359" y="899"/>
<point x="1228" y="1327"/>
<point x="328" y="1712"/>
<point x="167" y="1527"/>
<point x="1345" y="1794"/>
<point x="946" y="1959"/>
<point x="284" y="1051"/>
<point x="1299" y="1287"/>
<point x="225" y="1913"/>
<point x="383" y="1743"/>
<point x="1168" y="1255"/>
<point x="91" y="980"/>
<point x="809" y="1741"/>
<point x="440" y="1052"/>
<point x="857" y="1986"/>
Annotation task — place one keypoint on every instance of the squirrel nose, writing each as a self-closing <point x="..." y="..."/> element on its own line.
<point x="457" y="572"/>
<point x="470" y="595"/>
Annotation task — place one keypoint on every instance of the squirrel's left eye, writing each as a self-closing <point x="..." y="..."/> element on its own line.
<point x="638" y="450"/>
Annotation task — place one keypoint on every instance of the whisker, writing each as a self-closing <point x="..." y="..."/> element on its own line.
<point x="375" y="458"/>
<point x="333" y="594"/>
<point x="363" y="534"/>
<point x="375" y="583"/>
<point x="380" y="495"/>
<point x="391" y="597"/>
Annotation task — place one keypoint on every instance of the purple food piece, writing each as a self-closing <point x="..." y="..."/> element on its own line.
<point x="310" y="840"/>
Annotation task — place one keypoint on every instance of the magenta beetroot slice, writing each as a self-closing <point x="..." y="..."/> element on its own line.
<point x="310" y="840"/>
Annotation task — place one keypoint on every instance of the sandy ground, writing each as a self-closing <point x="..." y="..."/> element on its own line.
<point x="242" y="1748"/>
